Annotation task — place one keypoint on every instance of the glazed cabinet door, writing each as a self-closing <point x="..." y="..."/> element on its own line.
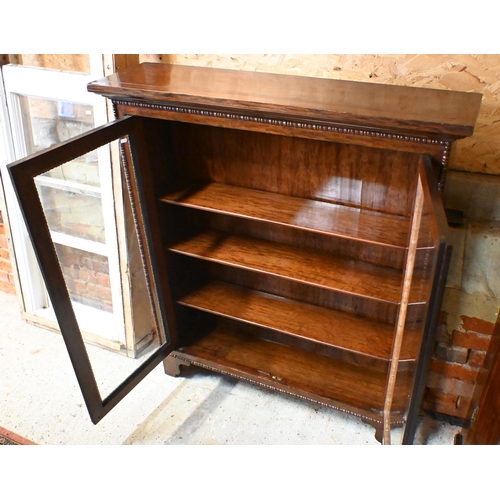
<point x="434" y="253"/>
<point x="101" y="390"/>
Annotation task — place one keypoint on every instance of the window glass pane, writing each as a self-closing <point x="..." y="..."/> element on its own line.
<point x="78" y="235"/>
<point x="87" y="277"/>
<point x="74" y="213"/>
<point x="46" y="122"/>
<point x="71" y="212"/>
<point x="83" y="170"/>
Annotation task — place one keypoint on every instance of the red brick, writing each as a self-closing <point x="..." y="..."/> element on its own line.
<point x="477" y="325"/>
<point x="443" y="317"/>
<point x="431" y="396"/>
<point x="98" y="292"/>
<point x="477" y="358"/>
<point x="5" y="266"/>
<point x="449" y="385"/>
<point x="447" y="404"/>
<point x="454" y="354"/>
<point x="454" y="370"/>
<point x="3" y="239"/>
<point x="472" y="340"/>
<point x="78" y="286"/>
<point x="87" y="275"/>
<point x="5" y="277"/>
<point x="4" y="254"/>
<point x="103" y="280"/>
<point x="7" y="287"/>
<point x="99" y="266"/>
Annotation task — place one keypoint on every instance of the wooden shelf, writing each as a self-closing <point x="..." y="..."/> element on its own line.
<point x="317" y="269"/>
<point x="358" y="390"/>
<point x="320" y="325"/>
<point x="310" y="215"/>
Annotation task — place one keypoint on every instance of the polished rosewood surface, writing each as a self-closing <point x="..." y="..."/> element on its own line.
<point x="393" y="108"/>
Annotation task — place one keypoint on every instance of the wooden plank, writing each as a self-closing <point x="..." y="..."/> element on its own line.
<point x="309" y="215"/>
<point x="313" y="268"/>
<point x="400" y="329"/>
<point x="320" y="378"/>
<point x="123" y="62"/>
<point x="320" y="325"/>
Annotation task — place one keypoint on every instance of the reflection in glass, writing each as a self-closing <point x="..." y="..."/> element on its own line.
<point x="76" y="199"/>
<point x="71" y="211"/>
<point x="76" y="221"/>
<point x="87" y="277"/>
<point x="71" y="197"/>
<point x="46" y="122"/>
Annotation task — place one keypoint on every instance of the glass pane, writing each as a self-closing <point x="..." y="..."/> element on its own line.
<point x="77" y="232"/>
<point x="73" y="213"/>
<point x="83" y="170"/>
<point x="46" y="122"/>
<point x="87" y="277"/>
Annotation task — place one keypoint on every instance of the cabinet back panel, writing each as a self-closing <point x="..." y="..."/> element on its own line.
<point x="353" y="175"/>
<point x="340" y="247"/>
<point x="196" y="272"/>
<point x="180" y="223"/>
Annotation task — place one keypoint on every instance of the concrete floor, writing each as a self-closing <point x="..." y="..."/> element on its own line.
<point x="40" y="400"/>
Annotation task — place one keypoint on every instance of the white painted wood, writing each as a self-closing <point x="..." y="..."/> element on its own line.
<point x="69" y="87"/>
<point x="80" y="243"/>
<point x="30" y="280"/>
<point x="72" y="187"/>
<point x="52" y="84"/>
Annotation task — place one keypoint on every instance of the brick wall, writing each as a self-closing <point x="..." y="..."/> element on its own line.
<point x="87" y="277"/>
<point x="455" y="366"/>
<point x="6" y="276"/>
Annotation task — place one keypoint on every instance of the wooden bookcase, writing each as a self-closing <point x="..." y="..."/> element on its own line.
<point x="292" y="228"/>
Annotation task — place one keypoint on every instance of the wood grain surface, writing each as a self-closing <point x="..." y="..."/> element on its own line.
<point x="387" y="106"/>
<point x="319" y="269"/>
<point x="301" y="372"/>
<point x="316" y="216"/>
<point x="345" y="331"/>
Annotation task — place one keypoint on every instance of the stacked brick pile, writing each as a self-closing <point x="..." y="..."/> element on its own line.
<point x="455" y="367"/>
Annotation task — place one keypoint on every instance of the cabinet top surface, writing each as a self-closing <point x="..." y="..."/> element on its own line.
<point x="379" y="106"/>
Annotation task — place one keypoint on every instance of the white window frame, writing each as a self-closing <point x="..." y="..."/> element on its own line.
<point x="70" y="87"/>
